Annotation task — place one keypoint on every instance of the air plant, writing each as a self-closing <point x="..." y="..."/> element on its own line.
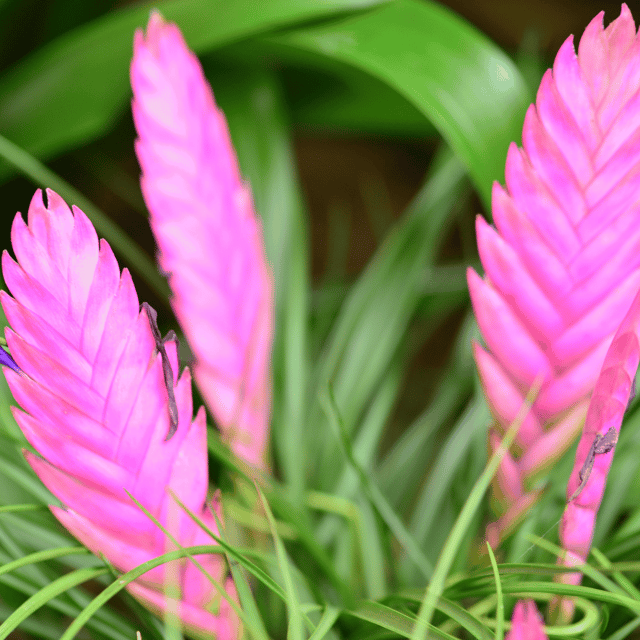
<point x="103" y="403"/>
<point x="563" y="263"/>
<point x="209" y="238"/>
<point x="107" y="413"/>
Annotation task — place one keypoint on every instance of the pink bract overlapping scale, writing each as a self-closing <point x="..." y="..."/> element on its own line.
<point x="526" y="622"/>
<point x="596" y="447"/>
<point x="209" y="238"/>
<point x="562" y="265"/>
<point x="95" y="406"/>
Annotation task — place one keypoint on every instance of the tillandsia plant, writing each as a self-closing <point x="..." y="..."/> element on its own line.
<point x="107" y="412"/>
<point x="348" y="534"/>
<point x="563" y="264"/>
<point x="209" y="238"/>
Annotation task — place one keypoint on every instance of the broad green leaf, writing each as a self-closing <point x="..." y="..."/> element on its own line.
<point x="470" y="90"/>
<point x="71" y="90"/>
<point x="325" y="95"/>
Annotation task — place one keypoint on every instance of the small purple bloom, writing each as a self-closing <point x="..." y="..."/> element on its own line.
<point x="8" y="361"/>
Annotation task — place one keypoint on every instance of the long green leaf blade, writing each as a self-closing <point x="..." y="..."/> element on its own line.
<point x="43" y="596"/>
<point x="71" y="90"/>
<point x="470" y="90"/>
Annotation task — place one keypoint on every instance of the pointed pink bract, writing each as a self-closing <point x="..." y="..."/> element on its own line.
<point x="563" y="264"/>
<point x="95" y="407"/>
<point x="209" y="239"/>
<point x="526" y="622"/>
<point x="606" y="411"/>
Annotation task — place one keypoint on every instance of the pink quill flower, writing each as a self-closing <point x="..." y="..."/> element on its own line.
<point x="526" y="622"/>
<point x="95" y="390"/>
<point x="563" y="264"/>
<point x="209" y="239"/>
<point x="596" y="447"/>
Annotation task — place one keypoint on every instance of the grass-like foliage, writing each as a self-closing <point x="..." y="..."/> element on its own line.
<point x="347" y="485"/>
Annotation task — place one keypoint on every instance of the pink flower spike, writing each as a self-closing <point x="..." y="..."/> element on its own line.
<point x="209" y="238"/>
<point x="526" y="622"/>
<point x="596" y="447"/>
<point x="562" y="265"/>
<point x="96" y="393"/>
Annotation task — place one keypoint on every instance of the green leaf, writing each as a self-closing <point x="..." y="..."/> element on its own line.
<point x="391" y="519"/>
<point x="470" y="90"/>
<point x="403" y="467"/>
<point x="71" y="90"/>
<point x="500" y="607"/>
<point x="233" y="553"/>
<point x="118" y="585"/>
<point x="41" y="556"/>
<point x="376" y="314"/>
<point x="365" y="445"/>
<point x="453" y="451"/>
<point x="47" y="593"/>
<point x="372" y="552"/>
<point x="451" y="548"/>
<point x="255" y="626"/>
<point x="327" y="621"/>
<point x="389" y="618"/>
<point x="295" y="629"/>
<point x="330" y="96"/>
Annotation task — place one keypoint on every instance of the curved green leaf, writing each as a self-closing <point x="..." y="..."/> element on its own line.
<point x="42" y="556"/>
<point x="118" y="585"/>
<point x="470" y="89"/>
<point x="70" y="91"/>
<point x="388" y="618"/>
<point x="49" y="592"/>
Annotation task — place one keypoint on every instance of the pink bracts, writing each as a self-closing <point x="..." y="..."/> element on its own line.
<point x="209" y="239"/>
<point x="596" y="447"/>
<point x="96" y="408"/>
<point x="563" y="264"/>
<point x="526" y="622"/>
